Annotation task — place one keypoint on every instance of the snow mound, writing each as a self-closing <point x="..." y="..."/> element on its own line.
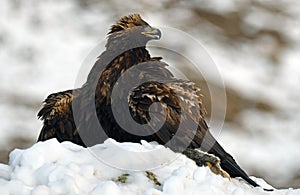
<point x="64" y="168"/>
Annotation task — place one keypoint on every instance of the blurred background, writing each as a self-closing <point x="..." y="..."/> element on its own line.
<point x="255" y="45"/>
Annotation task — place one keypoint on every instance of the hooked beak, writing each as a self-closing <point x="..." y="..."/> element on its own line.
<point x="153" y="33"/>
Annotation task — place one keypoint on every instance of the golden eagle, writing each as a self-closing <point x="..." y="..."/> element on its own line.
<point x="151" y="93"/>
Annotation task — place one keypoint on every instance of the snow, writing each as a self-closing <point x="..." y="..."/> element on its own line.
<point x="43" y="45"/>
<point x="51" y="167"/>
<point x="40" y="44"/>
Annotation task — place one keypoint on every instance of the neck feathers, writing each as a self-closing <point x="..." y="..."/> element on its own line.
<point x="107" y="70"/>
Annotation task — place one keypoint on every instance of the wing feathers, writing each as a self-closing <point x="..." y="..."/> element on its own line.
<point x="56" y="104"/>
<point x="58" y="117"/>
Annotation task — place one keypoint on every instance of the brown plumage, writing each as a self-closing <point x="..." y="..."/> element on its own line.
<point x="75" y="115"/>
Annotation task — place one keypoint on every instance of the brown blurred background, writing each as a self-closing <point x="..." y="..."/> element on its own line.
<point x="255" y="45"/>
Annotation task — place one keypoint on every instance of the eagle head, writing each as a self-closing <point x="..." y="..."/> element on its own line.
<point x="134" y="26"/>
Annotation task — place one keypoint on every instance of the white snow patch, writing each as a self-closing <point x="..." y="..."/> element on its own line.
<point x="51" y="167"/>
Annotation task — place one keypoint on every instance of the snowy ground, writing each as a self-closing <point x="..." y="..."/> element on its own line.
<point x="71" y="169"/>
<point x="43" y="43"/>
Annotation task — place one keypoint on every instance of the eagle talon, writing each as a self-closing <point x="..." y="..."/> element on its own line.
<point x="204" y="159"/>
<point x="216" y="169"/>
